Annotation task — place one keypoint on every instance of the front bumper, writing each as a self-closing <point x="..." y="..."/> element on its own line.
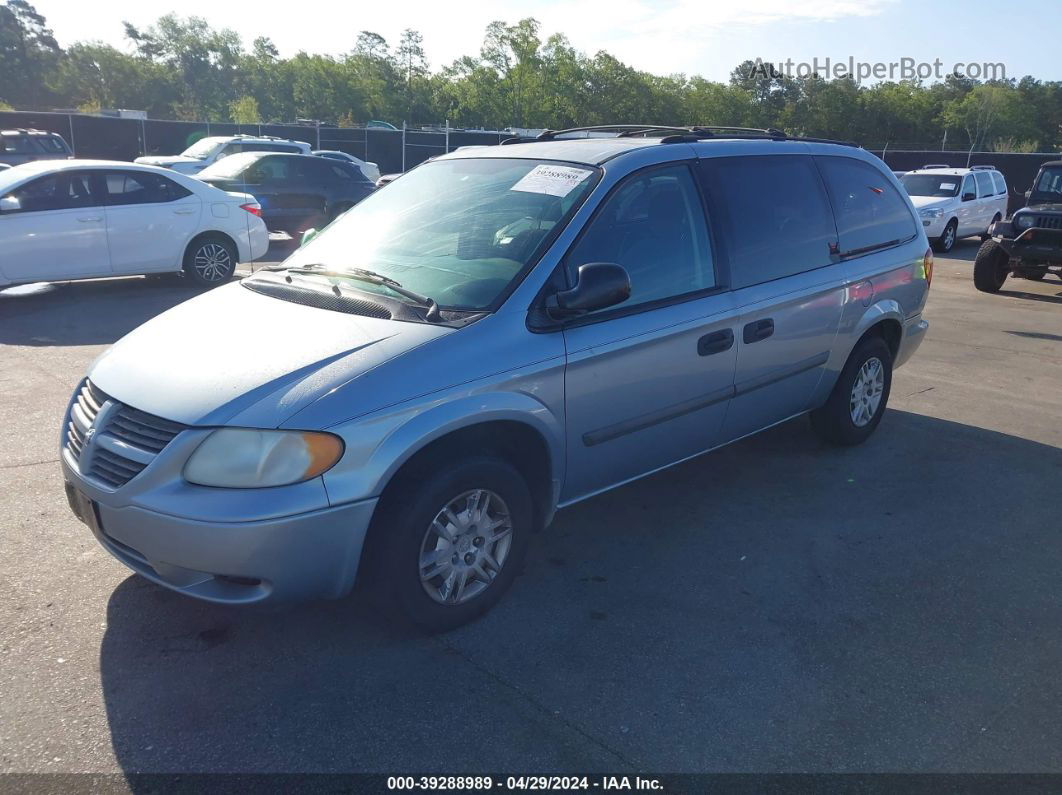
<point x="914" y="331"/>
<point x="305" y="556"/>
<point x="934" y="227"/>
<point x="1032" y="245"/>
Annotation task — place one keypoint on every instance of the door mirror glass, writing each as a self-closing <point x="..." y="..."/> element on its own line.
<point x="9" y="204"/>
<point x="969" y="197"/>
<point x="599" y="285"/>
<point x="307" y="236"/>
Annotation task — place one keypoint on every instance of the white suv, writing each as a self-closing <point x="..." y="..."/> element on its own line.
<point x="956" y="202"/>
<point x="207" y="151"/>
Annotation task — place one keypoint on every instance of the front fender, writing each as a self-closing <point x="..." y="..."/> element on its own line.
<point x="378" y="446"/>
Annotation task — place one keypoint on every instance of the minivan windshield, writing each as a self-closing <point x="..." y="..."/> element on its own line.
<point x="939" y="185"/>
<point x="201" y="149"/>
<point x="458" y="231"/>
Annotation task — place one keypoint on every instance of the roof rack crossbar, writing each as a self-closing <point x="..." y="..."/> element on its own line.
<point x="681" y="134"/>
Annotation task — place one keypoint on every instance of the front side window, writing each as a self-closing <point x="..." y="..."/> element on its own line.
<point x="985" y="187"/>
<point x="775" y="214"/>
<point x="131" y="187"/>
<point x="969" y="188"/>
<point x="458" y="231"/>
<point x="653" y="226"/>
<point x="870" y="212"/>
<point x="62" y="191"/>
<point x="935" y="185"/>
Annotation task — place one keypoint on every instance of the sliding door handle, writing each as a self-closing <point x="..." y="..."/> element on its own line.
<point x="757" y="330"/>
<point x="716" y="342"/>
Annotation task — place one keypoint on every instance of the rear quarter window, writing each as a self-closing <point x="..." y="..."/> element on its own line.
<point x="871" y="214"/>
<point x="999" y="183"/>
<point x="774" y="213"/>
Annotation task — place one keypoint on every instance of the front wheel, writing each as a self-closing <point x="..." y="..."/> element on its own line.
<point x="210" y="261"/>
<point x="946" y="241"/>
<point x="990" y="267"/>
<point x="450" y="541"/>
<point x="859" y="397"/>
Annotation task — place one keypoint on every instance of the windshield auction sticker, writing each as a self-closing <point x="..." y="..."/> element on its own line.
<point x="551" y="180"/>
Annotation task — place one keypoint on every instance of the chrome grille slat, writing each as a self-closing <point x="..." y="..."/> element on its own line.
<point x="144" y="436"/>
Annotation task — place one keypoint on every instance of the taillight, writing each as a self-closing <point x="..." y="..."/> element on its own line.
<point x="253" y="209"/>
<point x="927" y="267"/>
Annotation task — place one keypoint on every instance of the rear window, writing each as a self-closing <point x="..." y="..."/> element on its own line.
<point x="775" y="215"/>
<point x="870" y="212"/>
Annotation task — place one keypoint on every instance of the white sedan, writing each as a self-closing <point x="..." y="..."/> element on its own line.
<point x="86" y="219"/>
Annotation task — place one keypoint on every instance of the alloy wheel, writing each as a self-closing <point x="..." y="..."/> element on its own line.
<point x="867" y="391"/>
<point x="212" y="262"/>
<point x="465" y="547"/>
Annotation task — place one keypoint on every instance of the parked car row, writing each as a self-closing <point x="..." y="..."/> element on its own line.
<point x="198" y="213"/>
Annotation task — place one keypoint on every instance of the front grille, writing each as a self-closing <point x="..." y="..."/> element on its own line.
<point x="1048" y="222"/>
<point x="125" y="440"/>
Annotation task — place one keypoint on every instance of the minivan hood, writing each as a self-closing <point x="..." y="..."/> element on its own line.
<point x="922" y="202"/>
<point x="236" y="357"/>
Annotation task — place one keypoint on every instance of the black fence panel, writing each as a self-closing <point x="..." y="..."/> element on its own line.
<point x="52" y="122"/>
<point x="171" y="137"/>
<point x="384" y="148"/>
<point x="103" y="138"/>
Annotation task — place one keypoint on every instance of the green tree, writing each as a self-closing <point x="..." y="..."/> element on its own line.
<point x="29" y="54"/>
<point x="244" y="110"/>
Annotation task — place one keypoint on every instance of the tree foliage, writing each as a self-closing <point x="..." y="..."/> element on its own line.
<point x="183" y="68"/>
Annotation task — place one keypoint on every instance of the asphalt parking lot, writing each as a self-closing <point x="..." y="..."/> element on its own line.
<point x="775" y="606"/>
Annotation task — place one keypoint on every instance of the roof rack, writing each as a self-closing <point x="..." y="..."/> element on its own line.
<point x="937" y="165"/>
<point x="680" y="134"/>
<point x="982" y="168"/>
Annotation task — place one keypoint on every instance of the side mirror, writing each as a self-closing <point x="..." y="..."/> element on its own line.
<point x="1028" y="193"/>
<point x="969" y="197"/>
<point x="308" y="235"/>
<point x="599" y="285"/>
<point x="9" y="204"/>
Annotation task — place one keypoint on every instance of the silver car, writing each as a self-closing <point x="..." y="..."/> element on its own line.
<point x="501" y="333"/>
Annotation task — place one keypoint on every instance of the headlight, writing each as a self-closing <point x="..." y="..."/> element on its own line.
<point x="1024" y="221"/>
<point x="244" y="458"/>
<point x="931" y="212"/>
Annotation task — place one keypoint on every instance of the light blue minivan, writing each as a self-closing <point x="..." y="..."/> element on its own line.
<point x="502" y="332"/>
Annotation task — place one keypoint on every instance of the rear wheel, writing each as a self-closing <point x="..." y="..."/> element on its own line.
<point x="1036" y="276"/>
<point x="859" y="397"/>
<point x="990" y="267"/>
<point x="450" y="541"/>
<point x="946" y="241"/>
<point x="210" y="261"/>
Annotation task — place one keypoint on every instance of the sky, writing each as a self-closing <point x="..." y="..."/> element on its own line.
<point x="694" y="37"/>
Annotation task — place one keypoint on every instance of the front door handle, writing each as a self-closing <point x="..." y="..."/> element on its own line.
<point x="187" y="211"/>
<point x="716" y="342"/>
<point x="89" y="219"/>
<point x="758" y="330"/>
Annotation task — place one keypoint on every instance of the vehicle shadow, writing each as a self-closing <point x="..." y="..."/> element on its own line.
<point x="778" y="605"/>
<point x="85" y="312"/>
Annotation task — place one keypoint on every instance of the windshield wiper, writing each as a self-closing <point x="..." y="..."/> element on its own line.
<point x="371" y="277"/>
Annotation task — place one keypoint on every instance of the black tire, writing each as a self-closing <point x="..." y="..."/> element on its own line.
<point x="402" y="529"/>
<point x="946" y="241"/>
<point x="990" y="267"/>
<point x="1036" y="276"/>
<point x="995" y="220"/>
<point x="833" y="421"/>
<point x="210" y="260"/>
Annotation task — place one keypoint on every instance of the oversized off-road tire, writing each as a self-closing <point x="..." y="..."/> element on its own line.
<point x="991" y="267"/>
<point x="995" y="220"/>
<point x="210" y="260"/>
<point x="946" y="241"/>
<point x="449" y="541"/>
<point x="859" y="397"/>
